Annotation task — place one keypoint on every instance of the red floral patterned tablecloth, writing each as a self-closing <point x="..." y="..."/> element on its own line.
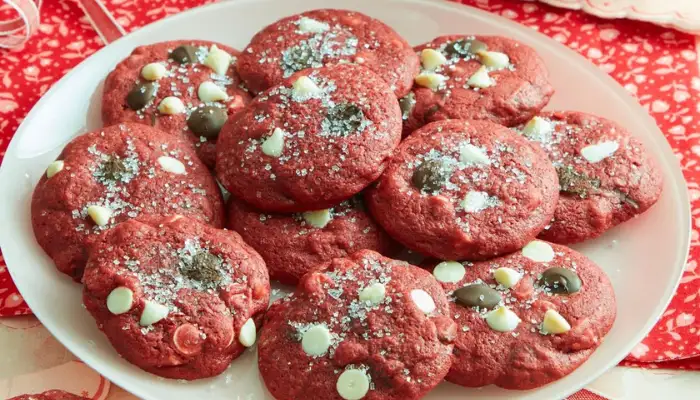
<point x="657" y="65"/>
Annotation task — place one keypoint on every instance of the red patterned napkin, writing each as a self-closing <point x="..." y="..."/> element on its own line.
<point x="658" y="65"/>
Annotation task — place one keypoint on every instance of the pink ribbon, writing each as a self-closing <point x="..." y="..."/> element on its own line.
<point x="16" y="32"/>
<point x="102" y="20"/>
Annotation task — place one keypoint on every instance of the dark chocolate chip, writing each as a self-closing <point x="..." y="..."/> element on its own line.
<point x="141" y="95"/>
<point x="113" y="168"/>
<point x="478" y="295"/>
<point x="560" y="280"/>
<point x="343" y="119"/>
<point x="407" y="103"/>
<point x="431" y="111"/>
<point x="576" y="183"/>
<point x="184" y="54"/>
<point x="431" y="175"/>
<point x="207" y="121"/>
<point x="204" y="267"/>
<point x="465" y="47"/>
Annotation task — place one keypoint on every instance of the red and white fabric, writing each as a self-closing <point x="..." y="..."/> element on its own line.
<point x="657" y="65"/>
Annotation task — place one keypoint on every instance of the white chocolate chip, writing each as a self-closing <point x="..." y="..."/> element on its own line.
<point x="554" y="323"/>
<point x="480" y="78"/>
<point x="423" y="300"/>
<point x="352" y="384"/>
<point x="599" y="152"/>
<point x="152" y="313"/>
<point x="507" y="277"/>
<point x="431" y="80"/>
<point x="171" y="105"/>
<point x="310" y="25"/>
<point x="470" y="154"/>
<point x="494" y="60"/>
<point x="218" y="60"/>
<point x="374" y="293"/>
<point x="273" y="146"/>
<point x="474" y="201"/>
<point x="248" y="333"/>
<point x="539" y="251"/>
<point x="431" y="59"/>
<point x="172" y="165"/>
<point x="318" y="218"/>
<point x="502" y="319"/>
<point x="538" y="127"/>
<point x="153" y="71"/>
<point x="54" y="168"/>
<point x="305" y="88"/>
<point x="100" y="215"/>
<point x="120" y="300"/>
<point x="316" y="340"/>
<point x="209" y="91"/>
<point x="449" y="272"/>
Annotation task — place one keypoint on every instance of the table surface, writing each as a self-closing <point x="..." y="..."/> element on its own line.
<point x="658" y="65"/>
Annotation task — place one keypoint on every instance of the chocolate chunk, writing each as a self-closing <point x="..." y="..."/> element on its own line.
<point x="184" y="54"/>
<point x="478" y="295"/>
<point x="560" y="280"/>
<point x="465" y="47"/>
<point x="431" y="175"/>
<point x="113" y="169"/>
<point x="207" y="121"/>
<point x="576" y="183"/>
<point x="342" y="120"/>
<point x="431" y="111"/>
<point x="204" y="267"/>
<point x="407" y="103"/>
<point x="141" y="95"/>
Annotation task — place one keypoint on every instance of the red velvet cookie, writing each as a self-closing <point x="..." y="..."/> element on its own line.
<point x="294" y="244"/>
<point x="465" y="190"/>
<point x="367" y="328"/>
<point x="107" y="176"/>
<point x="323" y="37"/>
<point x="605" y="175"/>
<point x="176" y="297"/>
<point x="312" y="142"/>
<point x="526" y="319"/>
<point x="476" y="77"/>
<point x="50" y="395"/>
<point x="199" y="80"/>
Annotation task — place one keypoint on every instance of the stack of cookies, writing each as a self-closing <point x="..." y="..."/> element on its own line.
<point x="341" y="150"/>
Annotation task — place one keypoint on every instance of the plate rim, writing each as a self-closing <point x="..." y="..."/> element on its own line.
<point x="678" y="179"/>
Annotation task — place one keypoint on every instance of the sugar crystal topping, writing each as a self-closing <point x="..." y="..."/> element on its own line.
<point x="464" y="170"/>
<point x="170" y="269"/>
<point x="341" y="120"/>
<point x="457" y="52"/>
<point x="318" y="48"/>
<point x="353" y="321"/>
<point x="115" y="172"/>
<point x="563" y="142"/>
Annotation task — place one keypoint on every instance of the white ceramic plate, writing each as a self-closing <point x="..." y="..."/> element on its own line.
<point x="644" y="257"/>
